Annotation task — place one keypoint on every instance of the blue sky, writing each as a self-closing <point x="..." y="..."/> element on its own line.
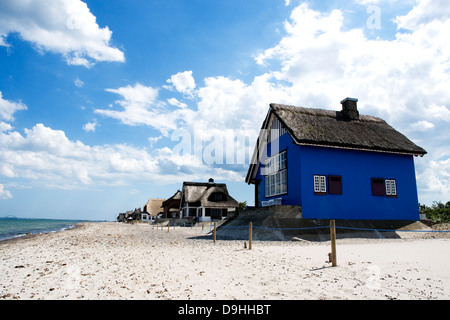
<point x="95" y="99"/>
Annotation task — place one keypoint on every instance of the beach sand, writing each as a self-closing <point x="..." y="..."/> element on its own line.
<point x="108" y="260"/>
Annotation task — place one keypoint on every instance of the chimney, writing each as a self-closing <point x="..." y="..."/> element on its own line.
<point x="350" y="109"/>
<point x="211" y="181"/>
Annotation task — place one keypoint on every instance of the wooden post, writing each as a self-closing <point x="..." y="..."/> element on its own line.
<point x="250" y="227"/>
<point x="168" y="226"/>
<point x="214" y="232"/>
<point x="333" y="243"/>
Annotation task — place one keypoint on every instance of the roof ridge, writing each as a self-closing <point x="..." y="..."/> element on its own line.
<point x="319" y="112"/>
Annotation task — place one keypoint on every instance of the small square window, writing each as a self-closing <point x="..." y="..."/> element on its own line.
<point x="320" y="184"/>
<point x="334" y="184"/>
<point x="378" y="187"/>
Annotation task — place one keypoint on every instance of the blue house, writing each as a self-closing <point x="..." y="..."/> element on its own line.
<point x="334" y="164"/>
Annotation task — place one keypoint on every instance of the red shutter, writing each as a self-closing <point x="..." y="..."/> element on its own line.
<point x="378" y="188"/>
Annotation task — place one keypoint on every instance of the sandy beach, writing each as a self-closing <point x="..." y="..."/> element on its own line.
<point x="109" y="260"/>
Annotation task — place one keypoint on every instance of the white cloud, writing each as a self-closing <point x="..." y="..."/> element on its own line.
<point x="141" y="107"/>
<point x="421" y="126"/>
<point x="90" y="126"/>
<point x="137" y="94"/>
<point x="153" y="140"/>
<point x="323" y="62"/>
<point x="5" y="126"/>
<point x="65" y="27"/>
<point x="8" y="108"/>
<point x="437" y="112"/>
<point x="176" y="103"/>
<point x="435" y="180"/>
<point x="183" y="82"/>
<point x="46" y="157"/>
<point x="425" y="12"/>
<point x="4" y="194"/>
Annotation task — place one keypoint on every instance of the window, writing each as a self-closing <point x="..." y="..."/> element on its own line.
<point x="275" y="163"/>
<point x="384" y="187"/>
<point x="217" y="196"/>
<point x="391" y="188"/>
<point x="216" y="213"/>
<point x="275" y="172"/>
<point x="378" y="188"/>
<point x="334" y="184"/>
<point x="320" y="184"/>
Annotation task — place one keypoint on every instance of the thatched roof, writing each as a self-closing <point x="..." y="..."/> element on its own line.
<point x="192" y="191"/>
<point x="175" y="197"/>
<point x="153" y="206"/>
<point x="337" y="129"/>
<point x="201" y="192"/>
<point x="330" y="128"/>
<point x="207" y="200"/>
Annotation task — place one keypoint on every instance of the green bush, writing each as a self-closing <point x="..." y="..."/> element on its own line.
<point x="437" y="213"/>
<point x="242" y="205"/>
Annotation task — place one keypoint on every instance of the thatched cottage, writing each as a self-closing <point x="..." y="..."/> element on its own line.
<point x="152" y="209"/>
<point x="334" y="164"/>
<point x="171" y="206"/>
<point x="206" y="201"/>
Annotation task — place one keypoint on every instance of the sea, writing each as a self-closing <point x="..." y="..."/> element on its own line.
<point x="11" y="227"/>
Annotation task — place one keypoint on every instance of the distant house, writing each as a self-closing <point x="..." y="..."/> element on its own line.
<point x="334" y="164"/>
<point x="152" y="209"/>
<point x="135" y="215"/>
<point x="130" y="215"/>
<point x="171" y="206"/>
<point x="121" y="217"/>
<point x="206" y="201"/>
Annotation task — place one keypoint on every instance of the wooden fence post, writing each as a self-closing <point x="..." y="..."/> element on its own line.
<point x="250" y="227"/>
<point x="214" y="232"/>
<point x="333" y="243"/>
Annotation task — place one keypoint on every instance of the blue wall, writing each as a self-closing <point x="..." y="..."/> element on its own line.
<point x="356" y="168"/>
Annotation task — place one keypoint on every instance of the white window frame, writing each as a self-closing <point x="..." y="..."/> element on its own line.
<point x="320" y="184"/>
<point x="391" y="187"/>
<point x="275" y="171"/>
